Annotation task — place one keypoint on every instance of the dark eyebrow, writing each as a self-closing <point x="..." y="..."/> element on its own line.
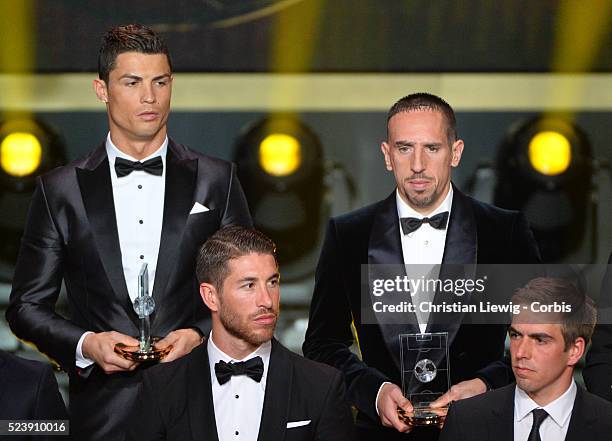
<point x="541" y="336"/>
<point x="131" y="77"/>
<point x="404" y="143"/>
<point x="160" y="77"/>
<point x="274" y="276"/>
<point x="433" y="144"/>
<point x="247" y="279"/>
<point x="511" y="329"/>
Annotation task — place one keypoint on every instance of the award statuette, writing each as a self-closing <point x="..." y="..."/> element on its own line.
<point x="425" y="376"/>
<point x="144" y="305"/>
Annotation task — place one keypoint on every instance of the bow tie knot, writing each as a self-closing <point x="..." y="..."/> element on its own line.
<point x="410" y="224"/>
<point x="124" y="167"/>
<point x="252" y="368"/>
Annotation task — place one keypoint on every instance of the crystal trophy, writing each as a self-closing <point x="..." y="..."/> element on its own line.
<point x="144" y="305"/>
<point x="425" y="376"/>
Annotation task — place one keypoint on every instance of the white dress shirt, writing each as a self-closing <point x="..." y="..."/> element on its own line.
<point x="423" y="248"/>
<point x="239" y="402"/>
<point x="139" y="210"/>
<point x="554" y="427"/>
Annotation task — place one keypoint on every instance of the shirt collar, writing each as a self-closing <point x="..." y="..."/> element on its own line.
<point x="215" y="355"/>
<point x="405" y="210"/>
<point x="560" y="410"/>
<point x="112" y="151"/>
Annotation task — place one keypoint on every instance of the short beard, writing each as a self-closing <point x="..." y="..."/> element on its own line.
<point x="235" y="328"/>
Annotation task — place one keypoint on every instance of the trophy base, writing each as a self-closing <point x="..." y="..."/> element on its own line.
<point x="133" y="353"/>
<point x="423" y="416"/>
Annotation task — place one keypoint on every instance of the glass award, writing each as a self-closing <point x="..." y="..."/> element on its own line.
<point x="144" y="305"/>
<point x="425" y="374"/>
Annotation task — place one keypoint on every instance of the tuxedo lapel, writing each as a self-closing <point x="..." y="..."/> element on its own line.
<point x="458" y="262"/>
<point x="277" y="397"/>
<point x="97" y="193"/>
<point x="200" y="399"/>
<point x="582" y="422"/>
<point x="181" y="176"/>
<point x="385" y="248"/>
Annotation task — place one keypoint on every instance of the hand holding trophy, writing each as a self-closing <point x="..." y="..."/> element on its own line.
<point x="425" y="376"/>
<point x="144" y="305"/>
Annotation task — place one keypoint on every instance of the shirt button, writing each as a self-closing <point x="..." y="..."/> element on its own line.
<point x="140" y="221"/>
<point x="236" y="432"/>
<point x="139" y="187"/>
<point x="237" y="396"/>
<point x="426" y="242"/>
<point x="141" y="256"/>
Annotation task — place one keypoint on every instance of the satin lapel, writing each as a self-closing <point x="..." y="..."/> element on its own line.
<point x="277" y="397"/>
<point x="500" y="426"/>
<point x="181" y="175"/>
<point x="200" y="399"/>
<point x="385" y="248"/>
<point x="97" y="194"/>
<point x="458" y="262"/>
<point x="581" y="422"/>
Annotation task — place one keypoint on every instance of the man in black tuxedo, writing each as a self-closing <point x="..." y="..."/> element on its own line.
<point x="242" y="382"/>
<point x="597" y="371"/>
<point x="421" y="149"/>
<point x="545" y="404"/>
<point x="139" y="197"/>
<point x="28" y="391"/>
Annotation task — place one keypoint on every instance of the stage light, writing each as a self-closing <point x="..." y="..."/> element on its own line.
<point x="550" y="153"/>
<point x="280" y="167"/>
<point x="20" y="154"/>
<point x="28" y="147"/>
<point x="280" y="154"/>
<point x="544" y="169"/>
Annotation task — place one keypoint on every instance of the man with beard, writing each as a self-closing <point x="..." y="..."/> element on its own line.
<point x="242" y="384"/>
<point x="545" y="404"/>
<point x="425" y="220"/>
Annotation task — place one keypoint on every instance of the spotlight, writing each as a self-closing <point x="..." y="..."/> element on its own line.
<point x="28" y="147"/>
<point x="280" y="166"/>
<point x="544" y="170"/>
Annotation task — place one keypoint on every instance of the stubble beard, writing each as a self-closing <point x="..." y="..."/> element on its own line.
<point x="236" y="328"/>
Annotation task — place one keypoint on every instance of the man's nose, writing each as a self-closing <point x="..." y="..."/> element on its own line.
<point x="148" y="94"/>
<point x="418" y="163"/>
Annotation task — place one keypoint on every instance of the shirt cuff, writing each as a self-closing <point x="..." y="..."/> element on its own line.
<point x="377" y="394"/>
<point x="81" y="361"/>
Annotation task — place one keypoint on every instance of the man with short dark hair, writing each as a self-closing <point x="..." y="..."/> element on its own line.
<point x="139" y="197"/>
<point x="545" y="404"/>
<point x="242" y="384"/>
<point x="426" y="220"/>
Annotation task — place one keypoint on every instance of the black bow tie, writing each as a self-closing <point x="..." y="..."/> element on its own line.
<point x="410" y="224"/>
<point x="253" y="368"/>
<point x="124" y="167"/>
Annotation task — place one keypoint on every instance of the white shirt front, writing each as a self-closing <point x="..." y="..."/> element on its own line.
<point x="139" y="209"/>
<point x="423" y="248"/>
<point x="554" y="427"/>
<point x="239" y="402"/>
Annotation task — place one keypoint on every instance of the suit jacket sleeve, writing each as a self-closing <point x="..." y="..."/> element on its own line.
<point x="336" y="423"/>
<point x="236" y="208"/>
<point x="329" y="335"/>
<point x="36" y="286"/>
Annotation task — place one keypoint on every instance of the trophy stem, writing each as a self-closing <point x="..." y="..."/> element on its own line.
<point x="145" y="334"/>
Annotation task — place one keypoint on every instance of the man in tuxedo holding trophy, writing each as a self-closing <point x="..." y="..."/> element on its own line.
<point x="426" y="220"/>
<point x="138" y="197"/>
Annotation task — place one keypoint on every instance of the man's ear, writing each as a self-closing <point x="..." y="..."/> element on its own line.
<point x="209" y="296"/>
<point x="384" y="148"/>
<point x="101" y="90"/>
<point x="456" y="152"/>
<point x="576" y="351"/>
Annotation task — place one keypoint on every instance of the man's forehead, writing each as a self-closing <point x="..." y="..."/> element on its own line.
<point x="136" y="62"/>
